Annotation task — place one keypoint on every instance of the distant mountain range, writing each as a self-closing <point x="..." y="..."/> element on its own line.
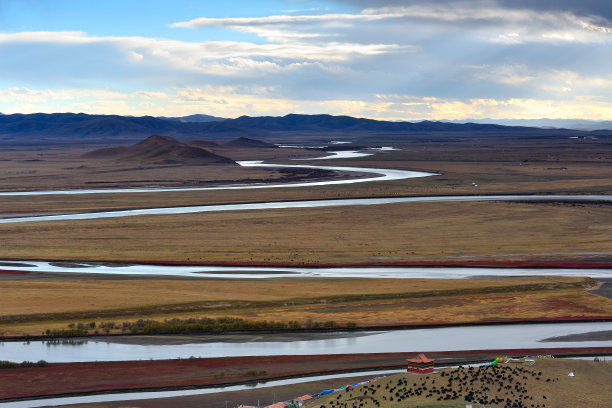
<point x="575" y="124"/>
<point x="81" y="128"/>
<point x="198" y="118"/>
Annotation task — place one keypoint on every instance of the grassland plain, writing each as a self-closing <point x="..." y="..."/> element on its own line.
<point x="498" y="165"/>
<point x="468" y="231"/>
<point x="338" y="235"/>
<point x="33" y="306"/>
<point x="392" y="233"/>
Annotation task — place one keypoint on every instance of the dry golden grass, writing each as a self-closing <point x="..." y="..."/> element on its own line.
<point x="492" y="178"/>
<point x="30" y="307"/>
<point x="441" y="309"/>
<point x="56" y="169"/>
<point x="389" y="233"/>
<point x="382" y="233"/>
<point x="64" y="295"/>
<point x="497" y="165"/>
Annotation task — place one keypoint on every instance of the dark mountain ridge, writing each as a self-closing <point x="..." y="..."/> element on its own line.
<point x="321" y="123"/>
<point x="81" y="128"/>
<point x="197" y="118"/>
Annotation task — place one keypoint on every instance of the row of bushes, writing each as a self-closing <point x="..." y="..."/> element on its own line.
<point x="220" y="324"/>
<point x="64" y="333"/>
<point x="25" y="364"/>
<point x="191" y="325"/>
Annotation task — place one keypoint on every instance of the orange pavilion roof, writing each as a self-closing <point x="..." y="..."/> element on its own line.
<point x="421" y="359"/>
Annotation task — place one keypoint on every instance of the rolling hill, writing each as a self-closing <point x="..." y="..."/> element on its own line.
<point x="160" y="150"/>
<point x="245" y="142"/>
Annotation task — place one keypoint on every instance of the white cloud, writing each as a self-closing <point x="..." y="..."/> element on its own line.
<point x="232" y="101"/>
<point x="66" y="37"/>
<point x="452" y="60"/>
<point x="24" y="94"/>
<point x="278" y="19"/>
<point x="135" y="57"/>
<point x="552" y="81"/>
<point x="528" y="24"/>
<point x="149" y="95"/>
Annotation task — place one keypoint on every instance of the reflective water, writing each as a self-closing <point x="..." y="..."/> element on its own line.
<point x="305" y="204"/>
<point x="377" y="174"/>
<point x="266" y="272"/>
<point x="347" y="154"/>
<point x="434" y="339"/>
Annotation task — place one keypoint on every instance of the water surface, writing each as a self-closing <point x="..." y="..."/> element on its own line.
<point x="268" y="272"/>
<point x="417" y="340"/>
<point x="270" y="205"/>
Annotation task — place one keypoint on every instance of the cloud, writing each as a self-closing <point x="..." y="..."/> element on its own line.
<point x="535" y="25"/>
<point x="149" y="95"/>
<point x="601" y="8"/>
<point x="391" y="106"/>
<point x="77" y="59"/>
<point x="391" y="60"/>
<point x="24" y="94"/>
<point x="548" y="82"/>
<point x="232" y="101"/>
<point x="278" y="19"/>
<point x="449" y="12"/>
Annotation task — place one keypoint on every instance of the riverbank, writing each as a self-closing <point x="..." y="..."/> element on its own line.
<point x="393" y="233"/>
<point x="585" y="264"/>
<point x="288" y="334"/>
<point x="84" y="378"/>
<point x="60" y="305"/>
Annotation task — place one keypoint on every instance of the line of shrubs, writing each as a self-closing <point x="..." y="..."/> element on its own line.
<point x="25" y="364"/>
<point x="191" y="325"/>
<point x="216" y="325"/>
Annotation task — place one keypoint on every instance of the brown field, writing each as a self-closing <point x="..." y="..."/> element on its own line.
<point x="443" y="232"/>
<point x="65" y="168"/>
<point x="64" y="295"/>
<point x="425" y="232"/>
<point x="498" y="165"/>
<point x="32" y="306"/>
<point x="403" y="232"/>
<point x="359" y="234"/>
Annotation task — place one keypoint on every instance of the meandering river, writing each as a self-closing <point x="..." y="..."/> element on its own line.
<point x="269" y="272"/>
<point x="302" y="204"/>
<point x="434" y="339"/>
<point x="376" y="175"/>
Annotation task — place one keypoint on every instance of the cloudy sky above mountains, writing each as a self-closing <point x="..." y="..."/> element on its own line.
<point x="384" y="59"/>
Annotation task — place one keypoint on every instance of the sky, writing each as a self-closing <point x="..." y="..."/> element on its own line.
<point x="382" y="59"/>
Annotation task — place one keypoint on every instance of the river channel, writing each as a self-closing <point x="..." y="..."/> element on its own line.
<point x="375" y="175"/>
<point x="415" y="340"/>
<point x="302" y="204"/>
<point x="269" y="272"/>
